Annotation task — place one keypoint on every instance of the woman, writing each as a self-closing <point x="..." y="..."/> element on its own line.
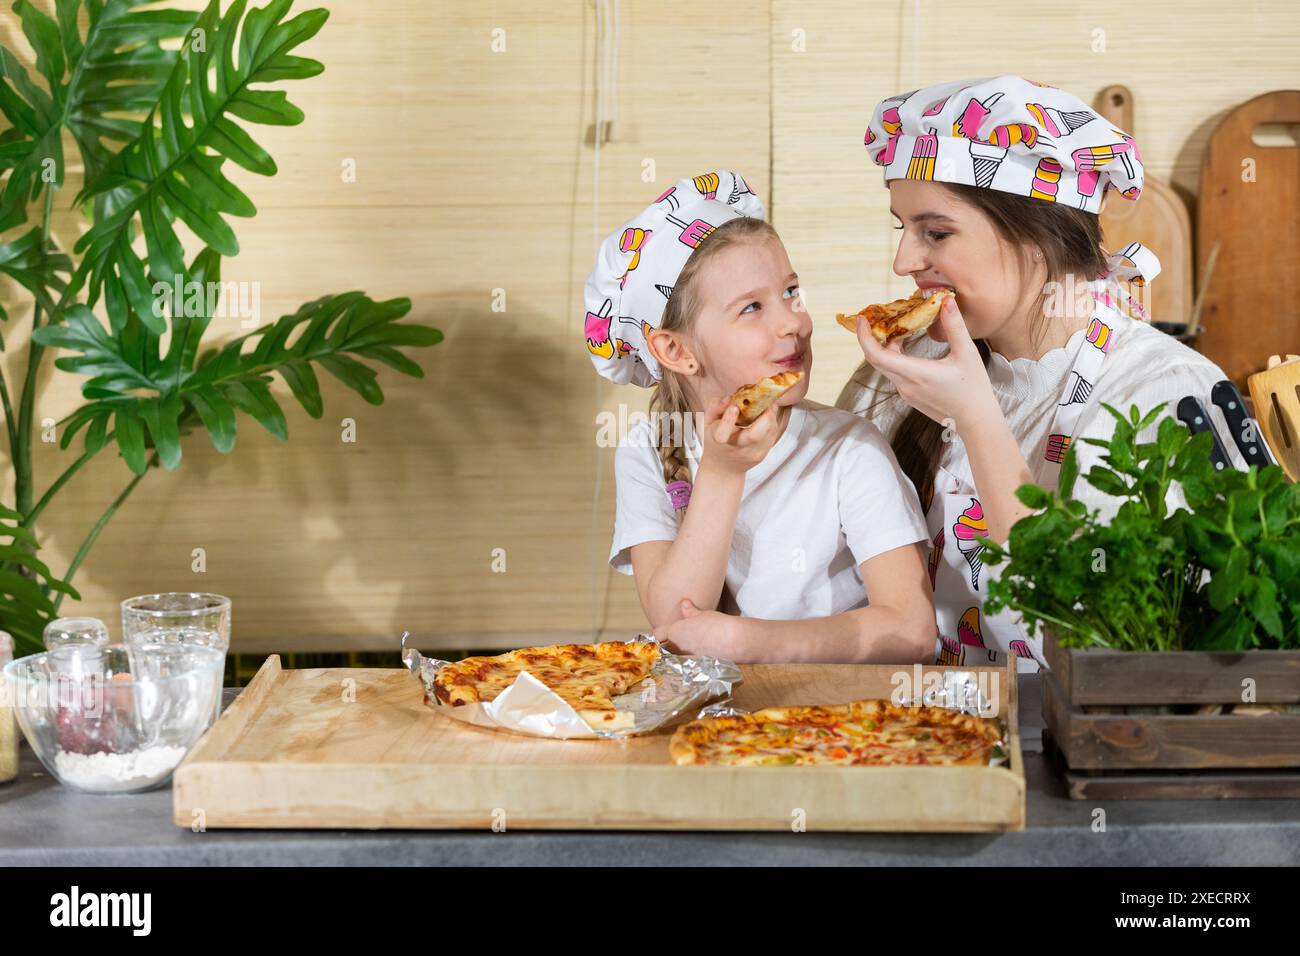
<point x="996" y="184"/>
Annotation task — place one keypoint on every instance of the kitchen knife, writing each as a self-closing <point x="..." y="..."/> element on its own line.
<point x="1244" y="429"/>
<point x="1193" y="414"/>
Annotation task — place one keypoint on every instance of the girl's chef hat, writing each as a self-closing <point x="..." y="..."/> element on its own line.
<point x="637" y="266"/>
<point x="1006" y="133"/>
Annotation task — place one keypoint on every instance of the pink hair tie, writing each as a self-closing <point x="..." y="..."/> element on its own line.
<point x="679" y="492"/>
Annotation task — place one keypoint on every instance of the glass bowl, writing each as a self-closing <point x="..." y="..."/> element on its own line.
<point x="115" y="719"/>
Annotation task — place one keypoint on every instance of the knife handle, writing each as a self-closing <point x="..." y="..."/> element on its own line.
<point x="1193" y="414"/>
<point x="1244" y="429"/>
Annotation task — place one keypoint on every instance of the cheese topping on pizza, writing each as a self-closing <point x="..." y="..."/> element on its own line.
<point x="868" y="732"/>
<point x="586" y="676"/>
<point x="899" y="318"/>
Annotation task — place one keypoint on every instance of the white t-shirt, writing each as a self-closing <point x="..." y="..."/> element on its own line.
<point x="828" y="496"/>
<point x="1144" y="367"/>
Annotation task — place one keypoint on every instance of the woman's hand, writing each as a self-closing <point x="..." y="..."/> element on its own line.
<point x="954" y="388"/>
<point x="730" y="447"/>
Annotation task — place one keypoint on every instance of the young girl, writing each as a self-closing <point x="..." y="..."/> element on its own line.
<point x="796" y="538"/>
<point x="996" y="184"/>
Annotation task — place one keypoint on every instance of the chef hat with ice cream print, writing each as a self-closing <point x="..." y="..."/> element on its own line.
<point x="1006" y="133"/>
<point x="638" y="265"/>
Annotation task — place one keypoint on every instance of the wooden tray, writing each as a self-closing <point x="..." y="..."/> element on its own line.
<point x="352" y="747"/>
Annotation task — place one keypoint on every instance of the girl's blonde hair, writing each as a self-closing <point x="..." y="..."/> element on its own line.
<point x="670" y="402"/>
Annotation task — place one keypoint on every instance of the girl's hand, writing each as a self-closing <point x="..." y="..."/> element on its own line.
<point x="731" y="447"/>
<point x="697" y="632"/>
<point x="954" y="388"/>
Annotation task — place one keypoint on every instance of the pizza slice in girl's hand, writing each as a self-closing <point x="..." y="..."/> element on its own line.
<point x="900" y="318"/>
<point x="754" y="400"/>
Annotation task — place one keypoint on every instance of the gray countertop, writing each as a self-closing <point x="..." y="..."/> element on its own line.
<point x="43" y="824"/>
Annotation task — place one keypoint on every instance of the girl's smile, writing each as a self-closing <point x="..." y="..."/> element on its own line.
<point x="753" y="323"/>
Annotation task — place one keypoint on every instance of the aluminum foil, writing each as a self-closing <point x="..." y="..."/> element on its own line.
<point x="958" y="690"/>
<point x="676" y="685"/>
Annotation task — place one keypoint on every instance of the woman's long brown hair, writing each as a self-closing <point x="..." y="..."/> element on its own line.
<point x="1071" y="243"/>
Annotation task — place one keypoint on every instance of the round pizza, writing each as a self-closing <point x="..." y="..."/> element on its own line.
<point x="864" y="732"/>
<point x="585" y="676"/>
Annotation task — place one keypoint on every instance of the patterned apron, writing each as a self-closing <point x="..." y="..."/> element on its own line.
<point x="955" y="518"/>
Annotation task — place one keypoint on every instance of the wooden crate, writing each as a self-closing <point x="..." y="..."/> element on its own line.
<point x="359" y="748"/>
<point x="1104" y="751"/>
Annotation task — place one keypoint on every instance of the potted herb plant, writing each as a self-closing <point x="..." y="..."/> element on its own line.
<point x="1160" y="625"/>
<point x="154" y="127"/>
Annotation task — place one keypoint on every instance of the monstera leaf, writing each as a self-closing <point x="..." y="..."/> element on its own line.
<point x="34" y="264"/>
<point x="154" y="127"/>
<point x="172" y="170"/>
<point x="90" y="89"/>
<point x="180" y="392"/>
<point x="25" y="605"/>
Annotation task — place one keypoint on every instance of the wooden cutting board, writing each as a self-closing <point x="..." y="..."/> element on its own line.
<point x="352" y="747"/>
<point x="1252" y="304"/>
<point x="1158" y="219"/>
<point x="1275" y="394"/>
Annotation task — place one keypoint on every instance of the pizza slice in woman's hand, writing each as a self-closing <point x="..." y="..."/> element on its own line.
<point x="900" y="318"/>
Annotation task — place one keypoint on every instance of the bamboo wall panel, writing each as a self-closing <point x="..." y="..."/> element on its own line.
<point x="473" y="173"/>
<point x="1186" y="64"/>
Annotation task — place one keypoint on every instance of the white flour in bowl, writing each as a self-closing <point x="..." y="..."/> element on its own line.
<point x="113" y="773"/>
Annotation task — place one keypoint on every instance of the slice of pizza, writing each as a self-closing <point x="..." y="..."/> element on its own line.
<point x="585" y="676"/>
<point x="900" y="318"/>
<point x="754" y="400"/>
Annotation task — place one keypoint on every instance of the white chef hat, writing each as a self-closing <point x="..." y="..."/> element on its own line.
<point x="1006" y="133"/>
<point x="637" y="267"/>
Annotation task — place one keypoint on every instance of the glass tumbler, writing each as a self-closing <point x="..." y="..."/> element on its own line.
<point x="178" y="617"/>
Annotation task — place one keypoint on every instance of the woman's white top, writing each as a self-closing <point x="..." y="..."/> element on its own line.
<point x="1142" y="366"/>
<point x="1145" y="367"/>
<point x="828" y="496"/>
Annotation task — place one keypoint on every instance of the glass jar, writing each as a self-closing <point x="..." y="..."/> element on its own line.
<point x="74" y="632"/>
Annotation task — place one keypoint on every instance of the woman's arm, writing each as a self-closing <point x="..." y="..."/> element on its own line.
<point x="997" y="465"/>
<point x="955" y="389"/>
<point x="898" y="627"/>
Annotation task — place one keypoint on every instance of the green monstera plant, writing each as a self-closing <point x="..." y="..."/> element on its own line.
<point x="156" y="101"/>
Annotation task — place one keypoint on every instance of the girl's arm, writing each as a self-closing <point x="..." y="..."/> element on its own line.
<point x="898" y="628"/>
<point x="694" y="565"/>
